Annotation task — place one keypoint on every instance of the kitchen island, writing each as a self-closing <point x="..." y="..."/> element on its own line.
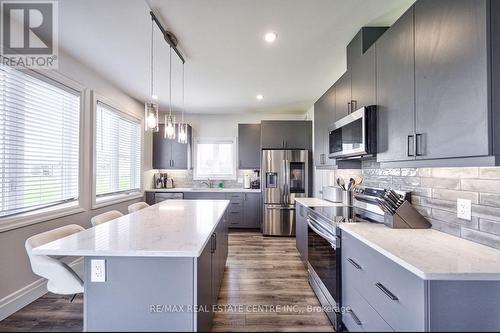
<point x="163" y="267"/>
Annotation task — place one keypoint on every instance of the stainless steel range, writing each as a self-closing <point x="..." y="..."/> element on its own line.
<point x="324" y="246"/>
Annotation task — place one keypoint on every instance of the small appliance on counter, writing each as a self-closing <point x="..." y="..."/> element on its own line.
<point x="161" y="180"/>
<point x="255" y="180"/>
<point x="246" y="181"/>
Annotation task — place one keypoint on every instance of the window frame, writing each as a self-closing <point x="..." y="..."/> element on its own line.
<point x="44" y="214"/>
<point x="197" y="140"/>
<point x="111" y="199"/>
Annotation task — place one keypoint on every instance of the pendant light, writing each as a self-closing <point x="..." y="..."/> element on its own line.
<point x="151" y="108"/>
<point x="182" y="125"/>
<point x="169" y="119"/>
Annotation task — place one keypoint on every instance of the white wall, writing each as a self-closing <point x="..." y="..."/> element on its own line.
<point x="18" y="284"/>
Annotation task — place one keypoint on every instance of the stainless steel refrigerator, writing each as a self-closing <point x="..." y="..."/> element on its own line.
<point x="285" y="176"/>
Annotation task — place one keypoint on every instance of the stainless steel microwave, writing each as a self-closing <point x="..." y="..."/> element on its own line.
<point x="355" y="135"/>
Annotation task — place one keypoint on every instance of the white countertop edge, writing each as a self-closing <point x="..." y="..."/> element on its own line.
<point x="317" y="202"/>
<point x="135" y="253"/>
<point x="418" y="272"/>
<point x="202" y="190"/>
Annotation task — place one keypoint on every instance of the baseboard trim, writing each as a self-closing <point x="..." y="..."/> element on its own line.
<point x="19" y="299"/>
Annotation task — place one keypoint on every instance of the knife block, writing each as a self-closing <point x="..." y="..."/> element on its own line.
<point x="406" y="217"/>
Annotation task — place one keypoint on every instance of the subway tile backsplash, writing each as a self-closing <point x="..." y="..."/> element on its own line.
<point x="435" y="192"/>
<point x="184" y="179"/>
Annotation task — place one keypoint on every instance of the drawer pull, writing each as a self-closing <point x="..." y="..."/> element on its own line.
<point x="355" y="264"/>
<point x="354" y="317"/>
<point x="386" y="291"/>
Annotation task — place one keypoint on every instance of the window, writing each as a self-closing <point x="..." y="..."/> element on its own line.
<point x="215" y="158"/>
<point x="39" y="142"/>
<point x="117" y="152"/>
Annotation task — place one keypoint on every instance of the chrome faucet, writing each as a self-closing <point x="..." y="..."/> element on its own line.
<point x="209" y="183"/>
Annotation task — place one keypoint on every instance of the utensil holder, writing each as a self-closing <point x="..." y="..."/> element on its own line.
<point x="406" y="217"/>
<point x="347" y="198"/>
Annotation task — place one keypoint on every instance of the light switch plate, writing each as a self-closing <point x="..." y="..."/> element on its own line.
<point x="97" y="270"/>
<point x="464" y="208"/>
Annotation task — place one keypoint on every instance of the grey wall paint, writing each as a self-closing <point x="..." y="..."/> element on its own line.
<point x="435" y="192"/>
<point x="16" y="272"/>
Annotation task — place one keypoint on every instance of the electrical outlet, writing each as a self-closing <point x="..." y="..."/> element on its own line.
<point x="97" y="270"/>
<point x="464" y="209"/>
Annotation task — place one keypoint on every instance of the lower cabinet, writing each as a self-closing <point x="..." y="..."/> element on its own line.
<point x="379" y="294"/>
<point x="210" y="271"/>
<point x="301" y="232"/>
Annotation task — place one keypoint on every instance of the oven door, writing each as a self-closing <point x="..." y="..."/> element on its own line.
<point x="324" y="258"/>
<point x="347" y="137"/>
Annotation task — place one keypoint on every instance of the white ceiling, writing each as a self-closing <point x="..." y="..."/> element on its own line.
<point x="228" y="63"/>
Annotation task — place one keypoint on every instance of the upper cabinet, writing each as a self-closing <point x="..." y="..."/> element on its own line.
<point x="451" y="78"/>
<point x="286" y="134"/>
<point x="249" y="146"/>
<point x="170" y="154"/>
<point x="363" y="80"/>
<point x="363" y="40"/>
<point x="395" y="91"/>
<point x="343" y="96"/>
<point x="324" y="117"/>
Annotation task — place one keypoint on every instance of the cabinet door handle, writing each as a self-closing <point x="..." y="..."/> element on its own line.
<point x="355" y="264"/>
<point x="418" y="143"/>
<point x="386" y="291"/>
<point x="354" y="317"/>
<point x="408" y="145"/>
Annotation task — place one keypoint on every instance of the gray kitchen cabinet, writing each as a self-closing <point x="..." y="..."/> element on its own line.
<point x="170" y="154"/>
<point x="301" y="232"/>
<point x="363" y="40"/>
<point x="210" y="271"/>
<point x="249" y="146"/>
<point x="381" y="294"/>
<point x="204" y="195"/>
<point x="252" y="210"/>
<point x="451" y="78"/>
<point x="324" y="117"/>
<point x="286" y="134"/>
<point x="204" y="288"/>
<point x="343" y="96"/>
<point x="395" y="91"/>
<point x="363" y="80"/>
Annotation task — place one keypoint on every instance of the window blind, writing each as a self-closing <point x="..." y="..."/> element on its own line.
<point x="117" y="152"/>
<point x="39" y="142"/>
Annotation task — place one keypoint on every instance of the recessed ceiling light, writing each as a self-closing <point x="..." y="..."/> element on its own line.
<point x="154" y="97"/>
<point x="270" y="37"/>
<point x="260" y="97"/>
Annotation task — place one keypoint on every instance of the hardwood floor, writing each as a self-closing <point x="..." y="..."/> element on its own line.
<point x="267" y="272"/>
<point x="264" y="288"/>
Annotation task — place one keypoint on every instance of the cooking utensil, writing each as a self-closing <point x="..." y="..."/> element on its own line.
<point x="351" y="184"/>
<point x="341" y="183"/>
<point x="358" y="180"/>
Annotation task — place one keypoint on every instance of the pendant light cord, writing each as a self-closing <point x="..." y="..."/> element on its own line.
<point x="183" y="88"/>
<point x="152" y="59"/>
<point x="170" y="83"/>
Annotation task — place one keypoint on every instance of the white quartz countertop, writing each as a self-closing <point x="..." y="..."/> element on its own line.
<point x="428" y="253"/>
<point x="172" y="228"/>
<point x="315" y="202"/>
<point x="203" y="189"/>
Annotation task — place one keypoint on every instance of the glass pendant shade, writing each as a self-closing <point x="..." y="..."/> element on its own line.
<point x="169" y="127"/>
<point x="151" y="117"/>
<point x="182" y="137"/>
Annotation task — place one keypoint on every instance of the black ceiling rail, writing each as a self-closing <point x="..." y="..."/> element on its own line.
<point x="168" y="36"/>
